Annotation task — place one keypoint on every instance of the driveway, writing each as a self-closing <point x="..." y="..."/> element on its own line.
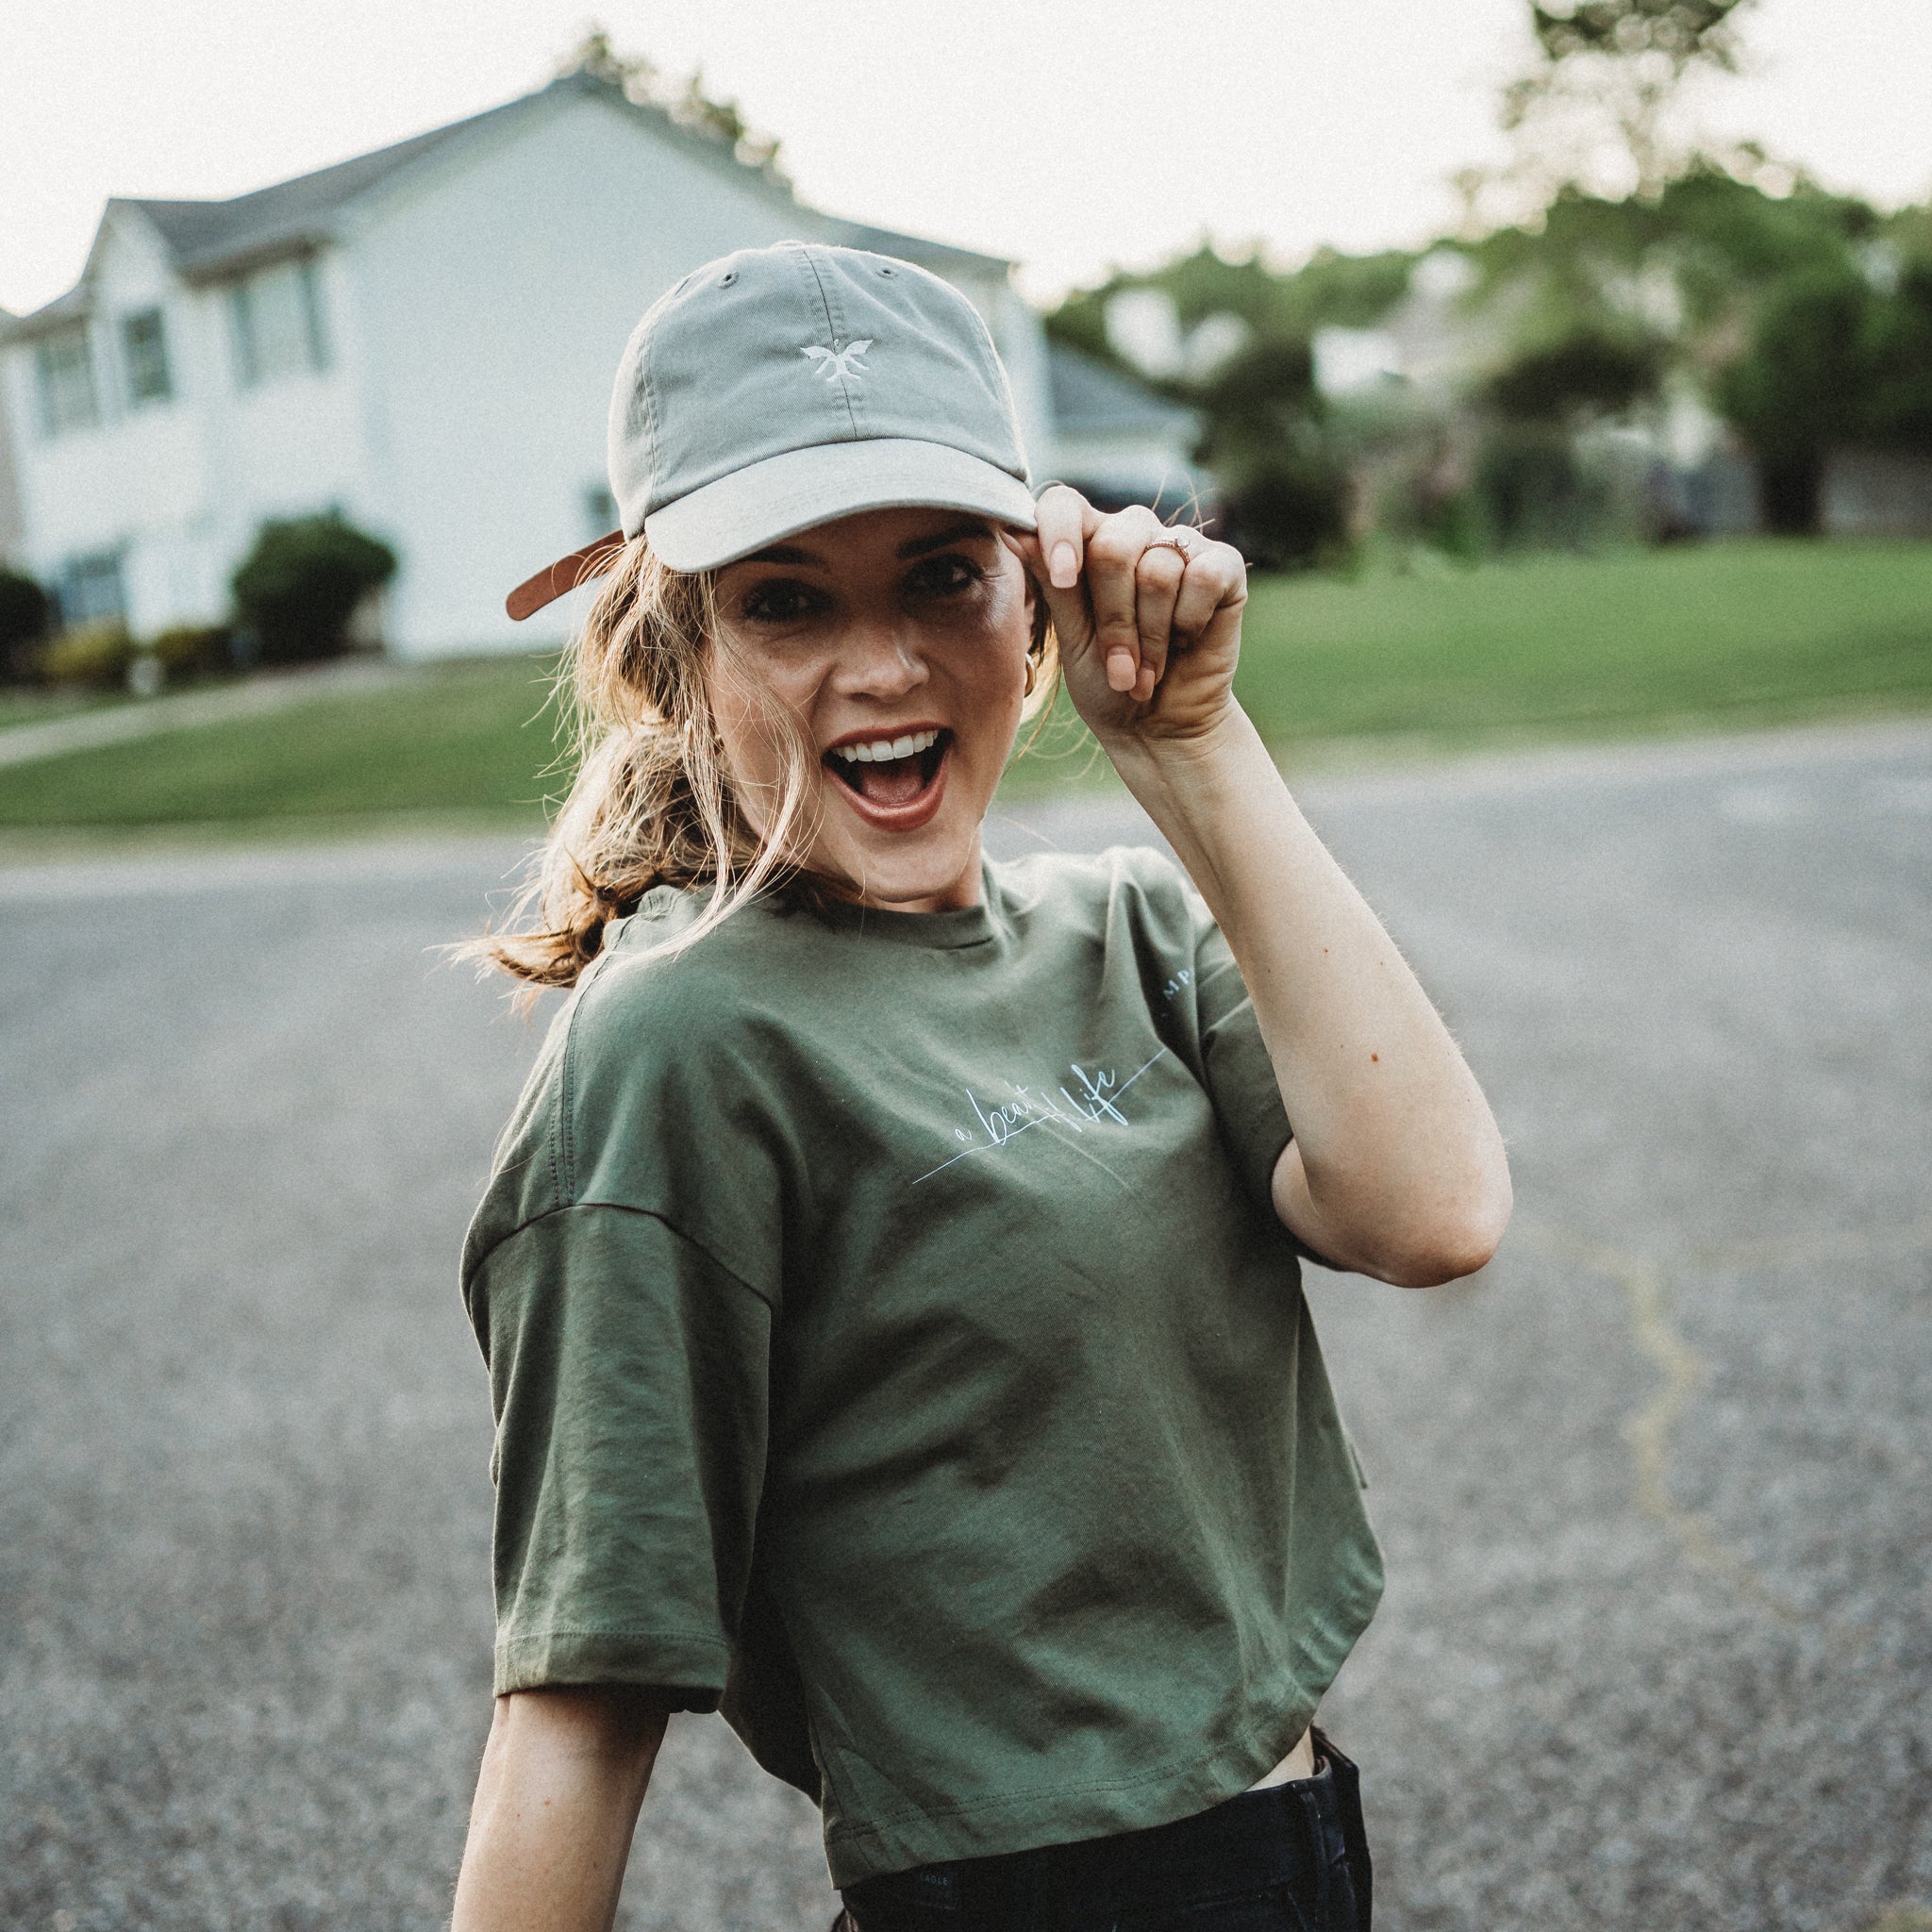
<point x="1656" y="1489"/>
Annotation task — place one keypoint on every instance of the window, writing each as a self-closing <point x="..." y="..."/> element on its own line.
<point x="278" y="323"/>
<point x="91" y="588"/>
<point x="145" y="357"/>
<point x="67" y="382"/>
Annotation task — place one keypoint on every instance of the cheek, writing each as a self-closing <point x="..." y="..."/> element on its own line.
<point x="745" y="712"/>
<point x="994" y="666"/>
<point x="1007" y="657"/>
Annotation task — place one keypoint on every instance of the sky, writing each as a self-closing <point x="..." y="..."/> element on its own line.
<point x="1071" y="135"/>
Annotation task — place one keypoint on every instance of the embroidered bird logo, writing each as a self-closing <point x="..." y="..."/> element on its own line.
<point x="834" y="364"/>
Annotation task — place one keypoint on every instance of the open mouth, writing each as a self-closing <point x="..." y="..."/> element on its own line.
<point x="893" y="780"/>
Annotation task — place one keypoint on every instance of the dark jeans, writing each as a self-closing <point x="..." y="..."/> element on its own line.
<point x="1289" y="1859"/>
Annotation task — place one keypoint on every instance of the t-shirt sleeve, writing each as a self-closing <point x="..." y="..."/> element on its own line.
<point x="1239" y="1073"/>
<point x="628" y="1376"/>
<point x="1240" y="1076"/>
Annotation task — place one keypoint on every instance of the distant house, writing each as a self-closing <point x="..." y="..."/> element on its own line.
<point x="1877" y="493"/>
<point x="12" y="535"/>
<point x="1116" y="441"/>
<point x="422" y="337"/>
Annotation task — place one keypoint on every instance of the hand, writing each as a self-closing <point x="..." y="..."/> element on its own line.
<point x="1148" y="616"/>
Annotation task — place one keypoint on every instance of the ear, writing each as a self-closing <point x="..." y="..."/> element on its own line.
<point x="1038" y="617"/>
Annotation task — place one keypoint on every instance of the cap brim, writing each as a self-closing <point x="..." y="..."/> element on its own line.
<point x="787" y="493"/>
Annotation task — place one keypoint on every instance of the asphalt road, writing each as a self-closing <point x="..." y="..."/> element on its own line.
<point x="1656" y="1489"/>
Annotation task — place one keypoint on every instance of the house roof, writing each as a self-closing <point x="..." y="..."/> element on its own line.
<point x="208" y="239"/>
<point x="1090" y="399"/>
<point x="201" y="235"/>
<point x="74" y="304"/>
<point x="913" y="248"/>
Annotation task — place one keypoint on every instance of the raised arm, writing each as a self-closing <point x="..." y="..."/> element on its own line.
<point x="563" y="1774"/>
<point x="1396" y="1169"/>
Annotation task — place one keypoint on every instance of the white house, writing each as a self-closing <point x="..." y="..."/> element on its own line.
<point x="1118" y="442"/>
<point x="422" y="337"/>
<point x="11" y="556"/>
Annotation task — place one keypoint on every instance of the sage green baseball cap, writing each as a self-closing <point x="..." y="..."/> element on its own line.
<point x="779" y="388"/>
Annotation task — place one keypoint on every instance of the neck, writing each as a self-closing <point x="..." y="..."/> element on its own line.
<point x="966" y="891"/>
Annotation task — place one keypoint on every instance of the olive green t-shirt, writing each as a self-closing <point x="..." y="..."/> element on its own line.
<point x="890" y="1339"/>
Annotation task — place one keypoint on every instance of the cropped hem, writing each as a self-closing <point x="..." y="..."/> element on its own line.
<point x="993" y="1825"/>
<point x="671" y="1659"/>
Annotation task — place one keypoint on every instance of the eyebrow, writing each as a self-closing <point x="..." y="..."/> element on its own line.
<point x="914" y="546"/>
<point x="967" y="526"/>
<point x="784" y="553"/>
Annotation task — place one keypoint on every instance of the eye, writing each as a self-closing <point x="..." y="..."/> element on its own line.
<point x="950" y="575"/>
<point x="782" y="600"/>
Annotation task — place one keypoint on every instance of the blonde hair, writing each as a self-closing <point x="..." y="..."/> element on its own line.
<point x="651" y="802"/>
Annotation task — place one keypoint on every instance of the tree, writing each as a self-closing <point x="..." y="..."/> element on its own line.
<point x="1897" y="410"/>
<point x="1601" y="104"/>
<point x="1837" y="359"/>
<point x="1592" y="372"/>
<point x="639" y="79"/>
<point x="633" y="76"/>
<point x="1285" y="492"/>
<point x="1284" y="489"/>
<point x="1797" y="392"/>
<point x="1329" y="290"/>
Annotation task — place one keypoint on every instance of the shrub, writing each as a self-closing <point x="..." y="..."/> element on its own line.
<point x="1289" y="515"/>
<point x="195" y="650"/>
<point x="296" y="590"/>
<point x="26" y="614"/>
<point x="95" y="654"/>
<point x="1285" y="490"/>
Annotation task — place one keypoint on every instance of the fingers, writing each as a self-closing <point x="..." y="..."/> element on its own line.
<point x="1150" y="590"/>
<point x="1055" y="553"/>
<point x="1066" y="520"/>
<point x="1216" y="578"/>
<point x="1158" y="578"/>
<point x="1113" y="556"/>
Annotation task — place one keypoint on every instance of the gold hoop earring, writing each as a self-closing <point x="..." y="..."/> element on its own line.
<point x="1032" y="672"/>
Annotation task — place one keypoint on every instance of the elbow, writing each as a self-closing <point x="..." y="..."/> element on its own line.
<point x="1458" y="1241"/>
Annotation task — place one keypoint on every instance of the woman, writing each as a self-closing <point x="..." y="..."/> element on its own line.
<point x="888" y="1278"/>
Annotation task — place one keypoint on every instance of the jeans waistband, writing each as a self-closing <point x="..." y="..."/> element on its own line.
<point x="1295" y="1835"/>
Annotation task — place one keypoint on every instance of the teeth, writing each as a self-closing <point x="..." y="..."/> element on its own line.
<point x="883" y="750"/>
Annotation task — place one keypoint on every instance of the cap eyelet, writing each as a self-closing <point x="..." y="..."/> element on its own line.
<point x="884" y="271"/>
<point x="726" y="281"/>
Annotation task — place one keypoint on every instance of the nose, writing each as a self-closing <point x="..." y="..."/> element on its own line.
<point x="879" y="657"/>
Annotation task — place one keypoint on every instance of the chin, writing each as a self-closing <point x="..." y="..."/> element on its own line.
<point x="905" y="869"/>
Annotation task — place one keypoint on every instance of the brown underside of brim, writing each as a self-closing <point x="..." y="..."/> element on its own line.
<point x="563" y="575"/>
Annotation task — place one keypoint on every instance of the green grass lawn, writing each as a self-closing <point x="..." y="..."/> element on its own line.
<point x="1724" y="633"/>
<point x="470" y="740"/>
<point x="1696" y="638"/>
<point x="44" y="706"/>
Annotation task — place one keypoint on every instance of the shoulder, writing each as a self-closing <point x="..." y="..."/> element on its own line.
<point x="689" y="1036"/>
<point x="659" y="1004"/>
<point x="1137" y="886"/>
<point x="650" y="1075"/>
<point x="641" y="1005"/>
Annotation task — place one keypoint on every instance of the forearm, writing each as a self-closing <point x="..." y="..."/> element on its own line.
<point x="563" y="1774"/>
<point x="1397" y="1168"/>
